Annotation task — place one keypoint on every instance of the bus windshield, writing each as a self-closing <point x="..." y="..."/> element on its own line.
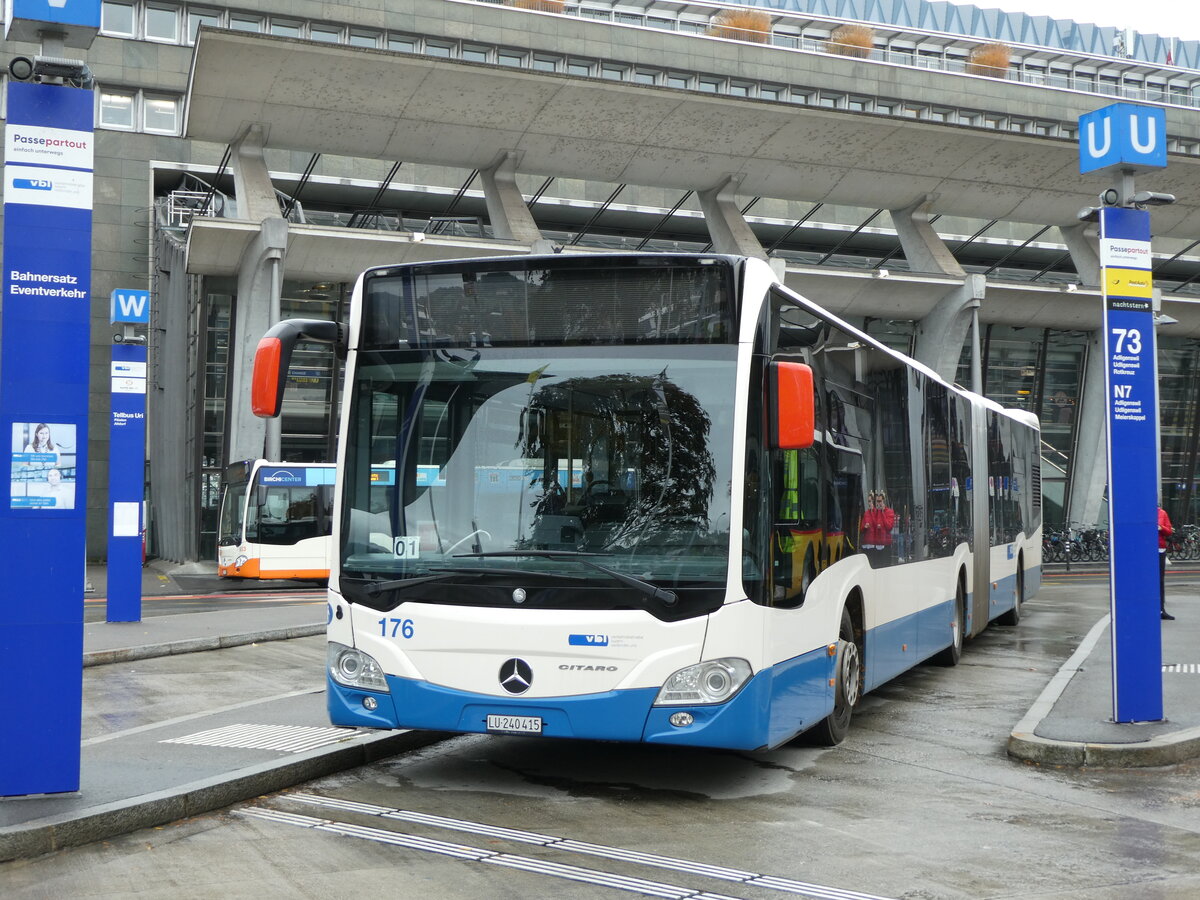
<point x="625" y="455"/>
<point x="233" y="503"/>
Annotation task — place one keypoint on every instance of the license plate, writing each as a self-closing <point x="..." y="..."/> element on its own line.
<point x="515" y="724"/>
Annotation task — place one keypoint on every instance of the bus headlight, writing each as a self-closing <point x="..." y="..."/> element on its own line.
<point x="355" y="669"/>
<point x="714" y="681"/>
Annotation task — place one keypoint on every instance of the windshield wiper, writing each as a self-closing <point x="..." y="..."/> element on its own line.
<point x="375" y="588"/>
<point x="667" y="597"/>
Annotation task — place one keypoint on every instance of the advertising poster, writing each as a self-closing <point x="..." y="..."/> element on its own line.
<point x="43" y="466"/>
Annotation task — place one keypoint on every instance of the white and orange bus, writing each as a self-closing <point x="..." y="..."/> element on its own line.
<point x="276" y="520"/>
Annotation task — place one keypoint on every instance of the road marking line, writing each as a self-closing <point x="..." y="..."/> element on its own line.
<point x="785" y="885"/>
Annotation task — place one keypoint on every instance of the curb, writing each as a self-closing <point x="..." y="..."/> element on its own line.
<point x="196" y="645"/>
<point x="53" y="833"/>
<point x="1024" y="744"/>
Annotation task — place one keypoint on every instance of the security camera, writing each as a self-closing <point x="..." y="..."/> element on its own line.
<point x="55" y="67"/>
<point x="21" y="68"/>
<point x="119" y="338"/>
<point x="1111" y="197"/>
<point x="1149" y="198"/>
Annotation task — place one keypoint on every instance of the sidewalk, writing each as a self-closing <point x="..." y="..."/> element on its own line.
<point x="158" y="773"/>
<point x="231" y="751"/>
<point x="1071" y="724"/>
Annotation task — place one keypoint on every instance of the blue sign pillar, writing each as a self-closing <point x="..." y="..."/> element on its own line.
<point x="1128" y="138"/>
<point x="1132" y="467"/>
<point x="126" y="474"/>
<point x="44" y="373"/>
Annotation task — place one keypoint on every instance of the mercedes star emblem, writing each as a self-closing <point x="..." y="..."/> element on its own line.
<point x="516" y="676"/>
<point x="519" y="595"/>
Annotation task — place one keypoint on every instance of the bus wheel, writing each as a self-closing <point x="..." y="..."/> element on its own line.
<point x="833" y="728"/>
<point x="1013" y="616"/>
<point x="952" y="654"/>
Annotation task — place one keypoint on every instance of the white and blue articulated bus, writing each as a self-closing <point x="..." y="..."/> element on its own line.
<point x="652" y="498"/>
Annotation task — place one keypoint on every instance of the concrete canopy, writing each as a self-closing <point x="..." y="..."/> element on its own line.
<point x="351" y="101"/>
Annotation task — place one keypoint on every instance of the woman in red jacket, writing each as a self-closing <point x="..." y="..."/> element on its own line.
<point x="878" y="520"/>
<point x="1164" y="531"/>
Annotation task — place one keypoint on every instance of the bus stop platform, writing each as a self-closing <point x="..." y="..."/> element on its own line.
<point x="1071" y="722"/>
<point x="228" y="747"/>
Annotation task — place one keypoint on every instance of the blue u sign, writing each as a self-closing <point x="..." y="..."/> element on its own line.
<point x="1125" y="135"/>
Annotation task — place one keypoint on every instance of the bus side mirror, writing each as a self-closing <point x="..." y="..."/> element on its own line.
<point x="274" y="354"/>
<point x="794" y="406"/>
<point x="266" y="384"/>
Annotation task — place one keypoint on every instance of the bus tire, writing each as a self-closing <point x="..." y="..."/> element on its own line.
<point x="952" y="654"/>
<point x="1013" y="616"/>
<point x="848" y="676"/>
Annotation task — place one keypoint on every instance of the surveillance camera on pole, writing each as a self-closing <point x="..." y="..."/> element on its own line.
<point x="1150" y="198"/>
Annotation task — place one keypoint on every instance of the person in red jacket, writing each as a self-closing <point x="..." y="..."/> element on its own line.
<point x="1164" y="531"/>
<point x="877" y="523"/>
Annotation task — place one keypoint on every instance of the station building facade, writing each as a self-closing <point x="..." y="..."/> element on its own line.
<point x="220" y="220"/>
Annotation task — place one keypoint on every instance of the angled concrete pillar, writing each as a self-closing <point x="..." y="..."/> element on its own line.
<point x="507" y="210"/>
<point x="726" y="225"/>
<point x="260" y="278"/>
<point x="941" y="334"/>
<point x="251" y="179"/>
<point x="1089" y="465"/>
<point x="1084" y="247"/>
<point x="923" y="247"/>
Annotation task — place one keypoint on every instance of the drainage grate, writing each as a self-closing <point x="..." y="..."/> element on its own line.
<point x="1182" y="669"/>
<point x="282" y="738"/>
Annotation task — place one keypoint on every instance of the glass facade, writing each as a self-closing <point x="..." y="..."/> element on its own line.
<point x="314" y="382"/>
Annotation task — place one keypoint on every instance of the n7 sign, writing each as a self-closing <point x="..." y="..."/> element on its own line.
<point x="129" y="306"/>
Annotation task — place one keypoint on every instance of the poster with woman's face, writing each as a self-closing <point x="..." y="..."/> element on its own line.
<point x="43" y="466"/>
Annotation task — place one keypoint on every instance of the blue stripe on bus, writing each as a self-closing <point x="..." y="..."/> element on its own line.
<point x="777" y="704"/>
<point x="750" y="721"/>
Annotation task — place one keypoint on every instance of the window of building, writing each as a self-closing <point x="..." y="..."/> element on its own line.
<point x="711" y="85"/>
<point x="116" y="109"/>
<point x="770" y="92"/>
<point x="116" y="18"/>
<point x="441" y="49"/>
<point x="829" y="101"/>
<point x="510" y="58"/>
<point x="857" y="104"/>
<point x="679" y="81"/>
<point x="196" y="18"/>
<point x="285" y="29"/>
<point x="545" y="63"/>
<point x="245" y="23"/>
<point x="739" y="89"/>
<point x="645" y="76"/>
<point x="363" y="39"/>
<point x="402" y="43"/>
<point x="160" y="114"/>
<point x="579" y="67"/>
<point x="613" y="73"/>
<point x="325" y="33"/>
<point x="162" y="24"/>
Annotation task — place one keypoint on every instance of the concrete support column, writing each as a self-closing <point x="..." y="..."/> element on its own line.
<point x="251" y="180"/>
<point x="942" y="333"/>
<point x="260" y="278"/>
<point x="726" y="225"/>
<point x="1084" y="247"/>
<point x="1089" y="465"/>
<point x="507" y="210"/>
<point x="923" y="247"/>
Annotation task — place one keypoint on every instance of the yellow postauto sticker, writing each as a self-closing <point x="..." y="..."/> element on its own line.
<point x="1127" y="283"/>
